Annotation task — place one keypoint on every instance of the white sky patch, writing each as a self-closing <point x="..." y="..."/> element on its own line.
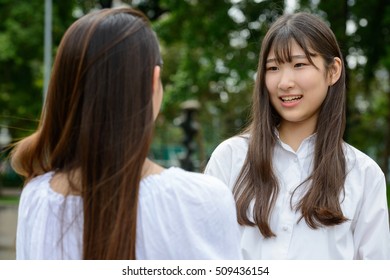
<point x="291" y="5"/>
<point x="236" y="14"/>
<point x="351" y="27"/>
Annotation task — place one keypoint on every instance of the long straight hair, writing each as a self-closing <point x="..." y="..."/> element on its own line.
<point x="97" y="124"/>
<point x="320" y="205"/>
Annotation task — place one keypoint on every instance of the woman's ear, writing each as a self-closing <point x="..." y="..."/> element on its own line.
<point x="335" y="71"/>
<point x="157" y="91"/>
<point x="156" y="79"/>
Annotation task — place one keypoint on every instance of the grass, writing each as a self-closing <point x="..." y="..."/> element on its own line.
<point x="9" y="200"/>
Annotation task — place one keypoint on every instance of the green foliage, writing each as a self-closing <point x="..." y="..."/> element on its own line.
<point x="210" y="51"/>
<point x="18" y="87"/>
<point x="362" y="29"/>
<point x="21" y="56"/>
<point x="388" y="194"/>
<point x="371" y="41"/>
<point x="10" y="179"/>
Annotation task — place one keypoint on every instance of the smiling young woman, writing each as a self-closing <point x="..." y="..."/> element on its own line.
<point x="297" y="87"/>
<point x="301" y="192"/>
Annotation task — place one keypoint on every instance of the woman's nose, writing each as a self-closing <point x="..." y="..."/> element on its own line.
<point x="286" y="80"/>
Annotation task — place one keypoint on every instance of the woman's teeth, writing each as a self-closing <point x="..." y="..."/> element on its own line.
<point x="291" y="98"/>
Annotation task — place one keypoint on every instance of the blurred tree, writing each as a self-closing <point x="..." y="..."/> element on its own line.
<point x="210" y="51"/>
<point x="21" y="55"/>
<point x="363" y="31"/>
<point x="371" y="51"/>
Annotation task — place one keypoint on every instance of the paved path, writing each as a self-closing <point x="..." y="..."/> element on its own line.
<point x="8" y="220"/>
<point x="8" y="215"/>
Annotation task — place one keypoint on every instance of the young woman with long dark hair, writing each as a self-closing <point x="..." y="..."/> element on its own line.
<point x="301" y="192"/>
<point x="91" y="192"/>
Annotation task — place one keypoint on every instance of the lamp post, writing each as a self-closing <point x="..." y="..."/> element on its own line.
<point x="190" y="127"/>
<point x="47" y="46"/>
<point x="5" y="140"/>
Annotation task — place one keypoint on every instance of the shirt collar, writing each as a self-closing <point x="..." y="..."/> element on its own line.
<point x="306" y="148"/>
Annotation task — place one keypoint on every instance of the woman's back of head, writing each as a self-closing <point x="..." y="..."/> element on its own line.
<point x="98" y="122"/>
<point x="100" y="97"/>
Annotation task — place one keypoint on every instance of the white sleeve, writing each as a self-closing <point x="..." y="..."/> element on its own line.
<point x="227" y="159"/>
<point x="217" y="230"/>
<point x="49" y="227"/>
<point x="371" y="235"/>
<point x="193" y="218"/>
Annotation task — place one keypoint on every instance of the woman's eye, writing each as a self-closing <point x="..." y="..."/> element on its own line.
<point x="299" y="65"/>
<point x="272" y="68"/>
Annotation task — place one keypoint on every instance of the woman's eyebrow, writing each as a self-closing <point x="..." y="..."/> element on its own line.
<point x="292" y="57"/>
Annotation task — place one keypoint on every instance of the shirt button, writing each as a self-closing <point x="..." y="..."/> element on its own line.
<point x="285" y="228"/>
<point x="295" y="160"/>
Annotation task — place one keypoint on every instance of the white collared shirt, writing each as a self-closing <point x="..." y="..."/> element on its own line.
<point x="364" y="236"/>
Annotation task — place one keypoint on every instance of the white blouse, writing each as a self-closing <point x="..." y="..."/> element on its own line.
<point x="364" y="236"/>
<point x="181" y="215"/>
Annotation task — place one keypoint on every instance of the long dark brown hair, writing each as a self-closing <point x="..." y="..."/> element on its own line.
<point x="320" y="204"/>
<point x="98" y="122"/>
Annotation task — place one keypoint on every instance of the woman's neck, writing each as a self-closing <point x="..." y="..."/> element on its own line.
<point x="151" y="168"/>
<point x="60" y="181"/>
<point x="294" y="133"/>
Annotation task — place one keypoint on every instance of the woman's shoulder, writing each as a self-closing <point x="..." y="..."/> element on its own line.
<point x="38" y="198"/>
<point x="236" y="141"/>
<point x="187" y="210"/>
<point x="236" y="144"/>
<point x="175" y="180"/>
<point x="38" y="183"/>
<point x="361" y="162"/>
<point x="39" y="191"/>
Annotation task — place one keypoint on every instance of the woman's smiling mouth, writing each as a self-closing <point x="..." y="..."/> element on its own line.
<point x="288" y="99"/>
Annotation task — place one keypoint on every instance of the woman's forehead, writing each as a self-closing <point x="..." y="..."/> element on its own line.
<point x="285" y="51"/>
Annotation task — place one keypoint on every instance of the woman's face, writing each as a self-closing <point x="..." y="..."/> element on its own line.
<point x="297" y="89"/>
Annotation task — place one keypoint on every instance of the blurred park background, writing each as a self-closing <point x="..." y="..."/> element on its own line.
<point x="210" y="51"/>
